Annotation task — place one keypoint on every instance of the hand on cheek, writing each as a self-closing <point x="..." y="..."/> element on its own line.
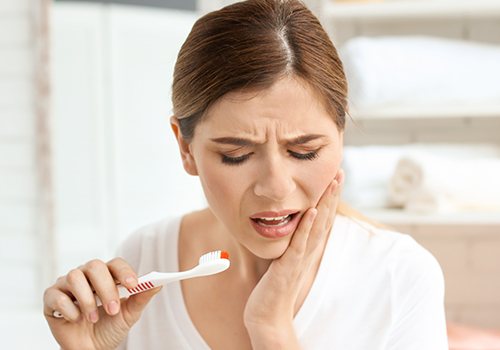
<point x="273" y="302"/>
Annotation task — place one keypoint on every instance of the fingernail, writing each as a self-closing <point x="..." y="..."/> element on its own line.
<point x="94" y="316"/>
<point x="113" y="307"/>
<point x="130" y="280"/>
<point x="314" y="211"/>
<point x="333" y="186"/>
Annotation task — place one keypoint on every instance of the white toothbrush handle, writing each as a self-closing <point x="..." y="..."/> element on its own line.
<point x="155" y="279"/>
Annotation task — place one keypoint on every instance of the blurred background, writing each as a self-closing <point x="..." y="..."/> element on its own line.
<point x="87" y="155"/>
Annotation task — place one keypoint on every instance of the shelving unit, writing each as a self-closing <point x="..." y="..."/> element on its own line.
<point x="398" y="124"/>
<point x="399" y="218"/>
<point x="410" y="9"/>
<point x="428" y="112"/>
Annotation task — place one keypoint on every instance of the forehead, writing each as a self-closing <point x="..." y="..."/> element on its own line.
<point x="287" y="104"/>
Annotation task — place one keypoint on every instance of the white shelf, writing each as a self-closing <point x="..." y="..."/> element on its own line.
<point x="381" y="16"/>
<point x="401" y="217"/>
<point x="423" y="112"/>
<point x="412" y="9"/>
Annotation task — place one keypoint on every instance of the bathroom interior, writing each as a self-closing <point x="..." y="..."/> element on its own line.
<point x="87" y="156"/>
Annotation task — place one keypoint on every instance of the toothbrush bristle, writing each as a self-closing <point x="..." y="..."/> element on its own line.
<point x="216" y="254"/>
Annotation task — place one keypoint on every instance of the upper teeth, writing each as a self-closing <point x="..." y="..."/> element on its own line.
<point x="274" y="218"/>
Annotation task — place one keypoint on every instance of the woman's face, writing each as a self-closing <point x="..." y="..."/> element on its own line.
<point x="263" y="159"/>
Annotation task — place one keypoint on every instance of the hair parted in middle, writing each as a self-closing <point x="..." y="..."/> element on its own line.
<point x="249" y="46"/>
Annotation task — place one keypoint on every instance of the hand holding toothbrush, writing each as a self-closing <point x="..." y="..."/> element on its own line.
<point x="84" y="326"/>
<point x="71" y="305"/>
<point x="273" y="303"/>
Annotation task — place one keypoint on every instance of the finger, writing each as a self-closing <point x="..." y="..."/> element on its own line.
<point x="326" y="201"/>
<point x="101" y="279"/>
<point x="123" y="272"/>
<point x="55" y="300"/>
<point x="132" y="307"/>
<point x="78" y="285"/>
<point x="330" y="197"/>
<point x="340" y="180"/>
<point x="327" y="207"/>
<point x="298" y="243"/>
<point x="329" y="210"/>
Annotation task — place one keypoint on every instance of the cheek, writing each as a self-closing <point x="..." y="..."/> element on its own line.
<point x="317" y="176"/>
<point x="222" y="189"/>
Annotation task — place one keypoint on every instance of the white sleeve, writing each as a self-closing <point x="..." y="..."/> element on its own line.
<point x="418" y="320"/>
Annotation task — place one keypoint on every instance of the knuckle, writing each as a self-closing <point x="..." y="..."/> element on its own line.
<point x="314" y="238"/>
<point x="94" y="265"/>
<point x="87" y="302"/>
<point x="117" y="261"/>
<point x="328" y="223"/>
<point x="119" y="264"/>
<point x="46" y="294"/>
<point x="60" y="301"/>
<point x="60" y="280"/>
<point x="296" y="253"/>
<point x="74" y="276"/>
<point x="125" y="271"/>
<point x="121" y="268"/>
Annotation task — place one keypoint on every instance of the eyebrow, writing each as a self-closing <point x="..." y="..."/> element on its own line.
<point x="237" y="141"/>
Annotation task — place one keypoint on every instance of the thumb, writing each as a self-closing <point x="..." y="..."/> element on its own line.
<point x="133" y="306"/>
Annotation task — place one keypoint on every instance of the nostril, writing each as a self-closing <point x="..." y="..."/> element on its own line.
<point x="275" y="188"/>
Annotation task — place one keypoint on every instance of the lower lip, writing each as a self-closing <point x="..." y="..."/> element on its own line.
<point x="278" y="231"/>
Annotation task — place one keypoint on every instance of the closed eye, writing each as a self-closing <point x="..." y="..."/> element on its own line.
<point x="304" y="156"/>
<point x="235" y="160"/>
<point x="241" y="159"/>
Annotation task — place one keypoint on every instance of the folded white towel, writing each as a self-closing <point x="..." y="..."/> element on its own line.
<point x="419" y="69"/>
<point x="369" y="169"/>
<point x="426" y="183"/>
<point x="414" y="173"/>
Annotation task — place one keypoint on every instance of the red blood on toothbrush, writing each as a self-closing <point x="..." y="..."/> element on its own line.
<point x="224" y="255"/>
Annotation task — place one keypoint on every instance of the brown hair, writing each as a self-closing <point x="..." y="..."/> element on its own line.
<point x="249" y="45"/>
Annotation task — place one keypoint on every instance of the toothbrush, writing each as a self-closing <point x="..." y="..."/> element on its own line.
<point x="208" y="264"/>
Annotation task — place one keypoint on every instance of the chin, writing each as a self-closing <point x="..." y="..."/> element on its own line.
<point x="269" y="250"/>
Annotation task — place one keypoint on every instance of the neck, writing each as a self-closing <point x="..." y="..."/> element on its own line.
<point x="248" y="266"/>
<point x="244" y="264"/>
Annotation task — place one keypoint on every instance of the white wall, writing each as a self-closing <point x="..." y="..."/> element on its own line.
<point x="116" y="161"/>
<point x="18" y="193"/>
<point x="21" y="260"/>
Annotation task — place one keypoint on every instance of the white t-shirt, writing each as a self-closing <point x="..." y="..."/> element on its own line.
<point x="375" y="289"/>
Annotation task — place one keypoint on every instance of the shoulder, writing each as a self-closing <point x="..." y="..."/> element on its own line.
<point x="393" y="244"/>
<point x="411" y="282"/>
<point x="398" y="254"/>
<point x="405" y="280"/>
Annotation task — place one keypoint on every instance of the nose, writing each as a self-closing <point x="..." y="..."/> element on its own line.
<point x="275" y="181"/>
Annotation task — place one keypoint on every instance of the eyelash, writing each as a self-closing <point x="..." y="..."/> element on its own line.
<point x="239" y="160"/>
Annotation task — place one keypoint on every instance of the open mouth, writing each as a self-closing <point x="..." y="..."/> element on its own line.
<point x="276" y="224"/>
<point x="274" y="221"/>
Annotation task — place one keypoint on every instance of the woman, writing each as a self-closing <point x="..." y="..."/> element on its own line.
<point x="260" y="99"/>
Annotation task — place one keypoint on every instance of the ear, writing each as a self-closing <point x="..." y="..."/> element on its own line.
<point x="340" y="176"/>
<point x="184" y="147"/>
<point x="341" y="137"/>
